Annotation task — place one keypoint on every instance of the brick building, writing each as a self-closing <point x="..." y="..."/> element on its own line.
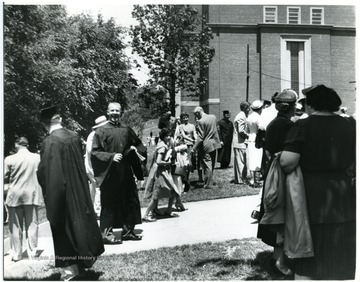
<point x="262" y="49"/>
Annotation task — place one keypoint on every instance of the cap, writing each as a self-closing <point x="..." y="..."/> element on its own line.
<point x="286" y="96"/>
<point x="101" y="120"/>
<point x="22" y="141"/>
<point x="257" y="104"/>
<point x="226" y="112"/>
<point x="46" y="113"/>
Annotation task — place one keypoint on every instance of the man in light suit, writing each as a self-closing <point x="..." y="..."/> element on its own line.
<point x="23" y="199"/>
<point x="241" y="133"/>
<point x="208" y="140"/>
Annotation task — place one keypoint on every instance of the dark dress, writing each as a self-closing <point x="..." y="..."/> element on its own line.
<point x="326" y="145"/>
<point x="120" y="203"/>
<point x="226" y="131"/>
<point x="61" y="174"/>
<point x="275" y="137"/>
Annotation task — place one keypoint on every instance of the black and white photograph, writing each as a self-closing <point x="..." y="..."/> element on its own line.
<point x="194" y="141"/>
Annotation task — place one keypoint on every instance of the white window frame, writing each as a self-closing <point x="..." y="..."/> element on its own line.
<point x="305" y="78"/>
<point x="298" y="14"/>
<point x="275" y="14"/>
<point x="322" y="15"/>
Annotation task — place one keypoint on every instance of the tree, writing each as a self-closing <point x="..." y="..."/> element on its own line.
<point x="174" y="42"/>
<point x="33" y="57"/>
<point x="76" y="62"/>
<point x="99" y="55"/>
<point x="149" y="102"/>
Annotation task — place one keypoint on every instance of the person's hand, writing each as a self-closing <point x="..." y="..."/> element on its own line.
<point x="222" y="143"/>
<point x="117" y="157"/>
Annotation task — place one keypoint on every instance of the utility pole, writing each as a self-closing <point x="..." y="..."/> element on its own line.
<point x="247" y="74"/>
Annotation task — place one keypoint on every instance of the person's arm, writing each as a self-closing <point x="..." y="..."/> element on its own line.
<point x="200" y="136"/>
<point x="242" y="128"/>
<point x="7" y="172"/>
<point x="289" y="161"/>
<point x="194" y="132"/>
<point x="221" y="137"/>
<point x="160" y="158"/>
<point x="182" y="132"/>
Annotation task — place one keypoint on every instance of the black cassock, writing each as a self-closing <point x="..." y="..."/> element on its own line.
<point x="226" y="131"/>
<point x="120" y="203"/>
<point x="62" y="176"/>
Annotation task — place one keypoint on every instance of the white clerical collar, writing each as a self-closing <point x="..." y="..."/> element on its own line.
<point x="54" y="127"/>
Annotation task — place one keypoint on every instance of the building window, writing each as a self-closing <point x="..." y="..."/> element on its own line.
<point x="293" y="15"/>
<point x="295" y="49"/>
<point x="295" y="62"/>
<point x="270" y="14"/>
<point x="317" y="16"/>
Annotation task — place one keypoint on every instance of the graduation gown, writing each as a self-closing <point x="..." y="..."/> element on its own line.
<point x="62" y="176"/>
<point x="119" y="196"/>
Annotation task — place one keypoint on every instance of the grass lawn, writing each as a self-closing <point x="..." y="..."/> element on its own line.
<point x="246" y="259"/>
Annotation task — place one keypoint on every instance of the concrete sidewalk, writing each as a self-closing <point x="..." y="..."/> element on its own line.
<point x="214" y="221"/>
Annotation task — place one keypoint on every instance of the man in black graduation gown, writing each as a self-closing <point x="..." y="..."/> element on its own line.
<point x="115" y="162"/>
<point x="62" y="176"/>
<point x="226" y="131"/>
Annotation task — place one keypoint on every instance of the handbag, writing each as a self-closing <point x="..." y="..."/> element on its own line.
<point x="274" y="194"/>
<point x="179" y="170"/>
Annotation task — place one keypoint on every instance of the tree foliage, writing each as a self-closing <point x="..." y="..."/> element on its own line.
<point x="149" y="102"/>
<point x="174" y="42"/>
<point x="75" y="62"/>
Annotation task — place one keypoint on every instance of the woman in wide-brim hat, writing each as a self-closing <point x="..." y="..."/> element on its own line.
<point x="323" y="145"/>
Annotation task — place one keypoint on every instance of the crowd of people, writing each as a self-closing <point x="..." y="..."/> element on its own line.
<point x="298" y="151"/>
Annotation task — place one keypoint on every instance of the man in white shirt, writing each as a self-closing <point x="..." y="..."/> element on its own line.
<point x="241" y="133"/>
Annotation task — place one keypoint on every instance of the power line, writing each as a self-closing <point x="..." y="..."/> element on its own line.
<point x="307" y="85"/>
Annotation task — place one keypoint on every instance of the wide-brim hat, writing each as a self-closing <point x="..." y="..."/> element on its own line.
<point x="286" y="96"/>
<point x="257" y="104"/>
<point x="323" y="90"/>
<point x="101" y="120"/>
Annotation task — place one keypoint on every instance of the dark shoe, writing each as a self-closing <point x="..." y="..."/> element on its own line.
<point x="82" y="276"/>
<point x="199" y="184"/>
<point x="167" y="214"/>
<point x="156" y="212"/>
<point x="131" y="237"/>
<point x="181" y="209"/>
<point x="112" y="241"/>
<point x="234" y="182"/>
<point x="284" y="269"/>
